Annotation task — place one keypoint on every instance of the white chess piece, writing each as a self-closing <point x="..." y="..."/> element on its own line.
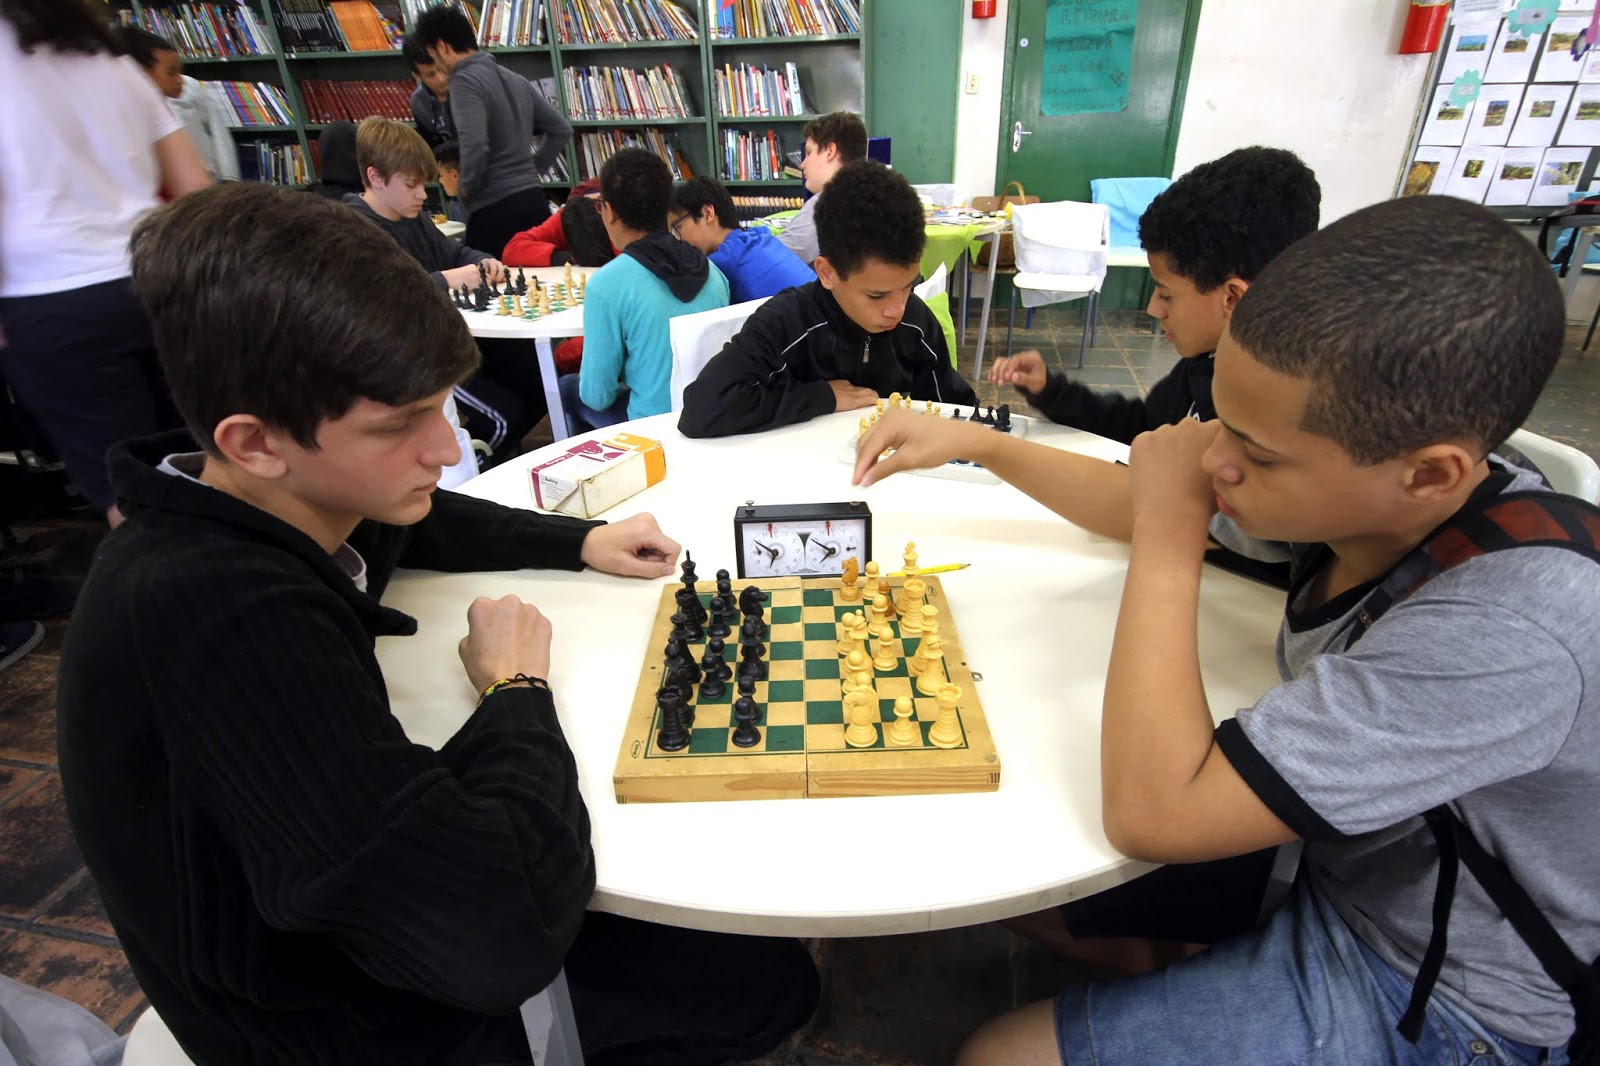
<point x="902" y="732"/>
<point x="930" y="675"/>
<point x="946" y="731"/>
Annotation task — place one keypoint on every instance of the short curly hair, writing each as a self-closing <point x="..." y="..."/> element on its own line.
<point x="1416" y="321"/>
<point x="869" y="212"/>
<point x="638" y="186"/>
<point x="1230" y="217"/>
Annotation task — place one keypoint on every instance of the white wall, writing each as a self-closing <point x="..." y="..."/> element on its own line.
<point x="1320" y="79"/>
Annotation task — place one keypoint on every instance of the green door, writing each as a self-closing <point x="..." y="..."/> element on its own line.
<point x="1055" y="155"/>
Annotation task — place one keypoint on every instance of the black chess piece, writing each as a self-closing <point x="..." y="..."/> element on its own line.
<point x="750" y="636"/>
<point x="719" y="626"/>
<point x="680" y="627"/>
<point x="747" y="686"/>
<point x="693" y="615"/>
<point x="745" y="734"/>
<point x="522" y="282"/>
<point x="674" y="733"/>
<point x="1003" y="423"/>
<point x="752" y="601"/>
<point x="689" y="577"/>
<point x="751" y="665"/>
<point x="716" y="669"/>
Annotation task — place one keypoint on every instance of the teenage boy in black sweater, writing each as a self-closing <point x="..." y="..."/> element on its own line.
<point x="1208" y="236"/>
<point x="855" y="334"/>
<point x="292" y="879"/>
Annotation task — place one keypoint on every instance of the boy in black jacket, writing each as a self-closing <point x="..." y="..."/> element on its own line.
<point x="1208" y="236"/>
<point x="396" y="165"/>
<point x="856" y="333"/>
<point x="292" y="879"/>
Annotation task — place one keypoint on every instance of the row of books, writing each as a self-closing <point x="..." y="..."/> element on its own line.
<point x="206" y="31"/>
<point x="786" y="18"/>
<point x="746" y="91"/>
<point x="366" y="27"/>
<point x="253" y="103"/>
<point x="751" y="156"/>
<point x="340" y="26"/>
<point x="415" y="8"/>
<point x="759" y="206"/>
<point x="275" y="163"/>
<point x="328" y="99"/>
<point x="622" y="92"/>
<point x="558" y="173"/>
<point x="512" y="23"/>
<point x="595" y="147"/>
<point x="605" y="21"/>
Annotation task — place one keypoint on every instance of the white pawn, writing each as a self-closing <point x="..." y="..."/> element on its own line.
<point x="930" y="675"/>
<point x="845" y="625"/>
<point x="885" y="660"/>
<point x="901" y="732"/>
<point x="862" y="731"/>
<point x="856" y="666"/>
<point x="930" y="622"/>
<point x="946" y="731"/>
<point x="877" y="609"/>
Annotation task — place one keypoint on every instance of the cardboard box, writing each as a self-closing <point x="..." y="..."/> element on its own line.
<point x="592" y="477"/>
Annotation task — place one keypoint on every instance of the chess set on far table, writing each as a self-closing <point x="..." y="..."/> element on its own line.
<point x="998" y="418"/>
<point x="519" y="298"/>
<point x="854" y="685"/>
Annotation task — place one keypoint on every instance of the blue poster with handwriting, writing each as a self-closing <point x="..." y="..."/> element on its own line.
<point x="1088" y="56"/>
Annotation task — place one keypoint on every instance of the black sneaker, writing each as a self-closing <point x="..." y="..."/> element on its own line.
<point x="18" y="639"/>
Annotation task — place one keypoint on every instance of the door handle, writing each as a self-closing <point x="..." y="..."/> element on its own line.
<point x="1017" y="133"/>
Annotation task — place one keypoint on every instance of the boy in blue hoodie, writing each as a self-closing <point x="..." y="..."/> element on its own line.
<point x="627" y="349"/>
<point x="755" y="262"/>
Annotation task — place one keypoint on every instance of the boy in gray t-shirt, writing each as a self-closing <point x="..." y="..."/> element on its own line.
<point x="1362" y="384"/>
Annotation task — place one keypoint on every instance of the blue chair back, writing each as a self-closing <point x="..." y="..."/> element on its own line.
<point x="1127" y="198"/>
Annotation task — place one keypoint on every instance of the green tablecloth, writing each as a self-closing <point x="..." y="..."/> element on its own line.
<point x="946" y="243"/>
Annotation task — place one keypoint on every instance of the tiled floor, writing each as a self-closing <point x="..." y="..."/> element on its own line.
<point x="891" y="1001"/>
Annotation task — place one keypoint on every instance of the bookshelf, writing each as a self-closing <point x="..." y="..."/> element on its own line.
<point x="305" y="52"/>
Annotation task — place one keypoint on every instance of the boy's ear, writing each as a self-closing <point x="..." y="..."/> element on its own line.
<point x="248" y="444"/>
<point x="708" y="214"/>
<point x="1233" y="291"/>
<point x="370" y="177"/>
<point x="825" y="272"/>
<point x="1435" y="471"/>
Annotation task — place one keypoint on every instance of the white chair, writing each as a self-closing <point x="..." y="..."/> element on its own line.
<point x="467" y="468"/>
<point x="936" y="283"/>
<point x="1061" y="255"/>
<point x="698" y="337"/>
<point x="1566" y="468"/>
<point x="552" y="1033"/>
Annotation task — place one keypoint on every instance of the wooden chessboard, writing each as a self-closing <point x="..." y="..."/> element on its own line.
<point x="802" y="752"/>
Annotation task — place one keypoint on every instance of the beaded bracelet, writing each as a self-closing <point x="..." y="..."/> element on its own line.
<point x="514" y="679"/>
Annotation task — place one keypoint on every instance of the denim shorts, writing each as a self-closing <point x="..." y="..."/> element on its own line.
<point x="1304" y="990"/>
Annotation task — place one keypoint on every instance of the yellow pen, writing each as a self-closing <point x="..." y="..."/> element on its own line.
<point x="946" y="568"/>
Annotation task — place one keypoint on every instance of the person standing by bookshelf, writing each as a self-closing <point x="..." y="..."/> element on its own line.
<point x="430" y="100"/>
<point x="202" y="114"/>
<point x="79" y="170"/>
<point x="495" y="113"/>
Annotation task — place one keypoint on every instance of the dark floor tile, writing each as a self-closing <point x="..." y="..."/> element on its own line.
<point x="78" y="910"/>
<point x="28" y="721"/>
<point x="13" y="779"/>
<point x="37" y="855"/>
<point x="92" y="975"/>
<point x="33" y="669"/>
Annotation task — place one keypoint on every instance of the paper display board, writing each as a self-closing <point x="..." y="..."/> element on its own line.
<point x="1520" y="125"/>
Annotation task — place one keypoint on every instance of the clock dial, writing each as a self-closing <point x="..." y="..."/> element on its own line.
<point x="771" y="551"/>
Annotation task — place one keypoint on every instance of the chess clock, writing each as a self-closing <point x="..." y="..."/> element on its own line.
<point x="801" y="539"/>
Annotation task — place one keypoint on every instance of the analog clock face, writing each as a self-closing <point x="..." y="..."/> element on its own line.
<point x="811" y="546"/>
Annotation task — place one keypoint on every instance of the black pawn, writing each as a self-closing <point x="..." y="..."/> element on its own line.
<point x="745" y="734"/>
<point x="747" y="686"/>
<point x="1004" y="421"/>
<point x="716" y="669"/>
<point x="730" y="606"/>
<point x="674" y="734"/>
<point x="680" y="628"/>
<point x="719" y="627"/>
<point x="522" y="282"/>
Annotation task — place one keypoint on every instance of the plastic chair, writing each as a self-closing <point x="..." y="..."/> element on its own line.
<point x="1127" y="199"/>
<point x="934" y="292"/>
<point x="552" y="1033"/>
<point x="1061" y="255"/>
<point x="467" y="468"/>
<point x="697" y="337"/>
<point x="1566" y="468"/>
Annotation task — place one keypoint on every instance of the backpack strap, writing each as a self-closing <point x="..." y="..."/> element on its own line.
<point x="1456" y="842"/>
<point x="1491" y="521"/>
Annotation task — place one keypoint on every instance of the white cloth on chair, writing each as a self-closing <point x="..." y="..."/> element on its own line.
<point x="1061" y="250"/>
<point x="39" y="1029"/>
<point x="698" y="337"/>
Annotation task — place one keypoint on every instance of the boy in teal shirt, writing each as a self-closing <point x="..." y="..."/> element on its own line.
<point x="627" y="353"/>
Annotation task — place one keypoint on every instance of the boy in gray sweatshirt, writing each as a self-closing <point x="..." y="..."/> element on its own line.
<point x="496" y="114"/>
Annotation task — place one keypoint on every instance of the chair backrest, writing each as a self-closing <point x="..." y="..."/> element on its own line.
<point x="467" y="468"/>
<point x="1126" y="199"/>
<point x="1566" y="468"/>
<point x="1065" y="237"/>
<point x="939" y="194"/>
<point x="698" y="337"/>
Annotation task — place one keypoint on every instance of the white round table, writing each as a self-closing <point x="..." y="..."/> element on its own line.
<point x="1035" y="610"/>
